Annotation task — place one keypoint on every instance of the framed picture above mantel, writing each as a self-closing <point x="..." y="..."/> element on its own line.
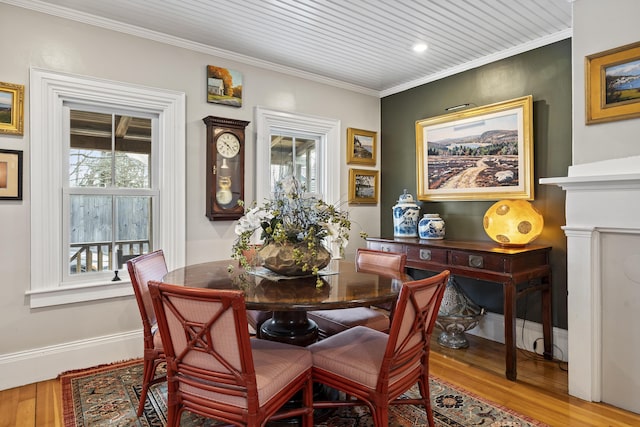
<point x="483" y="153"/>
<point x="613" y="84"/>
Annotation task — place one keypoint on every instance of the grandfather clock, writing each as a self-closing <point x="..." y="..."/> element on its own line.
<point x="225" y="167"/>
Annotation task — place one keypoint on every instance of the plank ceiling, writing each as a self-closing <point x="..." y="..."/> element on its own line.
<point x="362" y="45"/>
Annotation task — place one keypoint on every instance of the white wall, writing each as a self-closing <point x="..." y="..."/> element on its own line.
<point x="44" y="342"/>
<point x="599" y="26"/>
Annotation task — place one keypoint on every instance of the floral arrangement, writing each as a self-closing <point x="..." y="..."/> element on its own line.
<point x="291" y="217"/>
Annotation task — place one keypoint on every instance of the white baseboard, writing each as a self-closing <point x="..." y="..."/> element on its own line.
<point x="26" y="367"/>
<point x="45" y="363"/>
<point x="491" y="327"/>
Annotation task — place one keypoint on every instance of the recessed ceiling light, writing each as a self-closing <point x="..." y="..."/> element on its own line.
<point x="419" y="47"/>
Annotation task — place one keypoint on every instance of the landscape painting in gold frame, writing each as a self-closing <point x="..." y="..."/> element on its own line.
<point x="361" y="147"/>
<point x="484" y="153"/>
<point x="363" y="186"/>
<point x="612" y="80"/>
<point x="11" y="108"/>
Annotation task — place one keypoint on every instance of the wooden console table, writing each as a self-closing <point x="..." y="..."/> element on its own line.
<point x="519" y="270"/>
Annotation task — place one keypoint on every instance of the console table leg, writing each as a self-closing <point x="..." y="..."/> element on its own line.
<point x="509" y="289"/>
<point x="547" y="318"/>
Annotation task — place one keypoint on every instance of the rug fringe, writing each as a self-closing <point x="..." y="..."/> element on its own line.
<point x="98" y="368"/>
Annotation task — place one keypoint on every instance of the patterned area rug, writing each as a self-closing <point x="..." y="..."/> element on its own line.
<point x="109" y="395"/>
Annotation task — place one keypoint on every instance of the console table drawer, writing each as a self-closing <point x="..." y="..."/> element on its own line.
<point x="478" y="260"/>
<point x="386" y="247"/>
<point x="426" y="254"/>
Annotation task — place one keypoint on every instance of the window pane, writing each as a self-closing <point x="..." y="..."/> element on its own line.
<point x="294" y="156"/>
<point x="90" y="233"/>
<point x="133" y="227"/>
<point x="133" y="152"/>
<point x="90" y="151"/>
<point x="305" y="153"/>
<point x="281" y="158"/>
<point x="92" y="162"/>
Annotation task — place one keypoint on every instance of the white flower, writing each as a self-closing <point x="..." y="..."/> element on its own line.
<point x="251" y="220"/>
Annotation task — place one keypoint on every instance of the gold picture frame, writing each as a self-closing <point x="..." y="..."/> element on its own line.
<point x="361" y="147"/>
<point x="612" y="80"/>
<point x="11" y="108"/>
<point x="363" y="186"/>
<point x="484" y="153"/>
<point x="10" y="175"/>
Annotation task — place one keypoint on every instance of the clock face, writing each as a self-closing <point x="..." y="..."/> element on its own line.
<point x="228" y="145"/>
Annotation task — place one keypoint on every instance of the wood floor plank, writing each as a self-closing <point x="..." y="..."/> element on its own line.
<point x="49" y="413"/>
<point x="17" y="406"/>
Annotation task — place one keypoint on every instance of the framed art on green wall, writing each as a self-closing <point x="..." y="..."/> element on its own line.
<point x="483" y="153"/>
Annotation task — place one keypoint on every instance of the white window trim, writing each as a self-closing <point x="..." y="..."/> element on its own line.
<point x="329" y="132"/>
<point x="48" y="92"/>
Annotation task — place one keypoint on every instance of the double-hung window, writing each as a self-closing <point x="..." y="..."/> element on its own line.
<point x="107" y="183"/>
<point x="111" y="192"/>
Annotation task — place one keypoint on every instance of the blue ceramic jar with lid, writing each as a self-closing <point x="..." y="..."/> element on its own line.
<point x="405" y="216"/>
<point x="431" y="226"/>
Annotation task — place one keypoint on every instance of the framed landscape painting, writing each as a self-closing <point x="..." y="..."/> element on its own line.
<point x="361" y="147"/>
<point x="224" y="86"/>
<point x="484" y="153"/>
<point x="613" y="84"/>
<point x="363" y="186"/>
<point x="11" y="108"/>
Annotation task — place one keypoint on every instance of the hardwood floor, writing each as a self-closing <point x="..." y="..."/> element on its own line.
<point x="540" y="391"/>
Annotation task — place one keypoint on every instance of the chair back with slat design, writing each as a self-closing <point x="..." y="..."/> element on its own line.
<point x="142" y="269"/>
<point x="378" y="261"/>
<point x="407" y="352"/>
<point x="210" y="359"/>
<point x="375" y="368"/>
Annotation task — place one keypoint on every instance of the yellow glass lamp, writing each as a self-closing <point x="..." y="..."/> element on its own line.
<point x="513" y="223"/>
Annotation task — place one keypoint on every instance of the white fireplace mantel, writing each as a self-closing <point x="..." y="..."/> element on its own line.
<point x="602" y="205"/>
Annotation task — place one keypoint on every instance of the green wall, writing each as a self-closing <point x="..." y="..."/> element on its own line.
<point x="544" y="73"/>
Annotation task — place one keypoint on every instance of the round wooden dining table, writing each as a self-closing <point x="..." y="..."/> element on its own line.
<point x="340" y="285"/>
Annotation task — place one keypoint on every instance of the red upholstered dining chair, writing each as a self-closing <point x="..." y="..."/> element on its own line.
<point x="331" y="322"/>
<point x="151" y="266"/>
<point x="216" y="370"/>
<point x="373" y="368"/>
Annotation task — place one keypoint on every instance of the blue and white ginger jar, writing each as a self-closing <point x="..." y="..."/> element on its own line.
<point x="405" y="216"/>
<point x="431" y="226"/>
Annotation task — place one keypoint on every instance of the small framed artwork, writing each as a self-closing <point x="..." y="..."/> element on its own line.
<point x="361" y="147"/>
<point x="224" y="86"/>
<point x="10" y="175"/>
<point x="612" y="83"/>
<point x="484" y="153"/>
<point x="363" y="186"/>
<point x="11" y="108"/>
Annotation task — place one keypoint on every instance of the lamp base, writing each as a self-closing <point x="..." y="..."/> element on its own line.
<point x="512" y="245"/>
